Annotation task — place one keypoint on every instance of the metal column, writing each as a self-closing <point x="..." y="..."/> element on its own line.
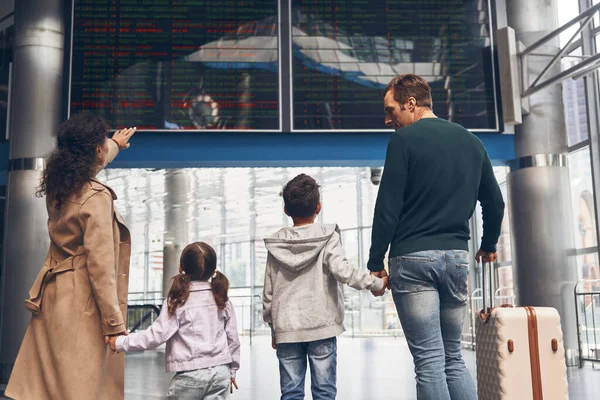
<point x="36" y="112"/>
<point x="176" y="224"/>
<point x="539" y="186"/>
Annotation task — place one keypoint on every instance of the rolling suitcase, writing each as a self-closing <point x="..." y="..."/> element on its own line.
<point x="519" y="351"/>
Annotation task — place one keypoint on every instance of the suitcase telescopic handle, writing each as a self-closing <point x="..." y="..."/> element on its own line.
<point x="487" y="269"/>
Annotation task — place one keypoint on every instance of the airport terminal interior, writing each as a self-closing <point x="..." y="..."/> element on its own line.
<point x="233" y="98"/>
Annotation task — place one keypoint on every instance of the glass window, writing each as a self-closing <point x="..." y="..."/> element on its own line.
<point x="574" y="103"/>
<point x="368" y="197"/>
<point x="504" y="272"/>
<point x="587" y="305"/>
<point x="155" y="272"/>
<point x="588" y="271"/>
<point x="504" y="244"/>
<point x="582" y="195"/>
<point x="477" y="230"/>
<point x="350" y="244"/>
<point x="234" y="209"/>
<point x="242" y="301"/>
<point x="236" y="264"/>
<point x="136" y="276"/>
<point x="141" y="203"/>
<point x="352" y="297"/>
<point x="596" y="23"/>
<point x="237" y="196"/>
<point x="567" y="10"/>
<point x="268" y="202"/>
<point x="207" y="203"/>
<point x="260" y="262"/>
<point x="339" y="197"/>
<point x="505" y="293"/>
<point x="366" y="244"/>
<point x="588" y="268"/>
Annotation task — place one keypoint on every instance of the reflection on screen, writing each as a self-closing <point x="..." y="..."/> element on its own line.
<point x="346" y="52"/>
<point x="185" y="64"/>
<point x="214" y="64"/>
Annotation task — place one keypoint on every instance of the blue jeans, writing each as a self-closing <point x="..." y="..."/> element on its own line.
<point x="322" y="357"/>
<point x="430" y="292"/>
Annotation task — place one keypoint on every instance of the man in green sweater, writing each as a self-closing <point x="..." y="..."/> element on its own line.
<point x="435" y="171"/>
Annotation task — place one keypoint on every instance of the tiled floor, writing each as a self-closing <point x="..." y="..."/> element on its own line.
<point x="368" y="369"/>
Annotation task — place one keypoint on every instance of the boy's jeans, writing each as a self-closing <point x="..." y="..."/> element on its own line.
<point x="210" y="383"/>
<point x="430" y="292"/>
<point x="322" y="356"/>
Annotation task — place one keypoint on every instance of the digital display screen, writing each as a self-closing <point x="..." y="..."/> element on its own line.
<point x="215" y="64"/>
<point x="345" y="52"/>
<point x="177" y="64"/>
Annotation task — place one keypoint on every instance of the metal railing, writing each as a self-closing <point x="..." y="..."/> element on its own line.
<point x="504" y="299"/>
<point x="379" y="305"/>
<point x="587" y="313"/>
<point x="7" y="16"/>
<point x="141" y="313"/>
<point x="585" y="66"/>
<point x="140" y="298"/>
<point x="468" y="333"/>
<point x="252" y="308"/>
<point x="141" y="316"/>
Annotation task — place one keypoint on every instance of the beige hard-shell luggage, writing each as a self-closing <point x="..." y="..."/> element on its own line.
<point x="520" y="353"/>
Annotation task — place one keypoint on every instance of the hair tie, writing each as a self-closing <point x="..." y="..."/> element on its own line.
<point x="185" y="277"/>
<point x="214" y="275"/>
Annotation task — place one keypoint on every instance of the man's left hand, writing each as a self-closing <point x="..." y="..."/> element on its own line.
<point x="383" y="275"/>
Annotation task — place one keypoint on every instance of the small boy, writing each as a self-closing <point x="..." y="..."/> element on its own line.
<point x="303" y="298"/>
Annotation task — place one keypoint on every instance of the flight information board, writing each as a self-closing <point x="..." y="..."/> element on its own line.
<point x="177" y="64"/>
<point x="346" y="51"/>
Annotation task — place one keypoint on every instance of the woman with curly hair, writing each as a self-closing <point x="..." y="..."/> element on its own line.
<point x="79" y="298"/>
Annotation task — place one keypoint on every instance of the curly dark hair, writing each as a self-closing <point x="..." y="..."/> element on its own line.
<point x="73" y="161"/>
<point x="301" y="196"/>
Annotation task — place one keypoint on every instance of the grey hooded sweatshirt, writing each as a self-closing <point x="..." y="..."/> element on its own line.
<point x="303" y="300"/>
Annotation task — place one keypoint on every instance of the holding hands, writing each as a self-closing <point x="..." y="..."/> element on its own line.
<point x="111" y="341"/>
<point x="481" y="256"/>
<point x="386" y="282"/>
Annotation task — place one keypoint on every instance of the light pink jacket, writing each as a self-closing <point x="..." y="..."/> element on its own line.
<point x="198" y="335"/>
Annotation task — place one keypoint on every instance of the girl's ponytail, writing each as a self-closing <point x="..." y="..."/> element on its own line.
<point x="179" y="293"/>
<point x="220" y="286"/>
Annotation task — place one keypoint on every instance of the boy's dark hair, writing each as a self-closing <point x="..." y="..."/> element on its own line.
<point x="301" y="196"/>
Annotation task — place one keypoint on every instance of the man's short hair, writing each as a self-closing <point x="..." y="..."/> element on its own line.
<point x="410" y="85"/>
<point x="301" y="196"/>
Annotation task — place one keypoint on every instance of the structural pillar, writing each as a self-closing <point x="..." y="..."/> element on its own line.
<point x="538" y="184"/>
<point x="176" y="224"/>
<point x="36" y="111"/>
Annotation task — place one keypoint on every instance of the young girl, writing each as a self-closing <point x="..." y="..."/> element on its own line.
<point x="197" y="321"/>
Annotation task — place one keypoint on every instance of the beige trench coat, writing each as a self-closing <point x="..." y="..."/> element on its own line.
<point x="80" y="295"/>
